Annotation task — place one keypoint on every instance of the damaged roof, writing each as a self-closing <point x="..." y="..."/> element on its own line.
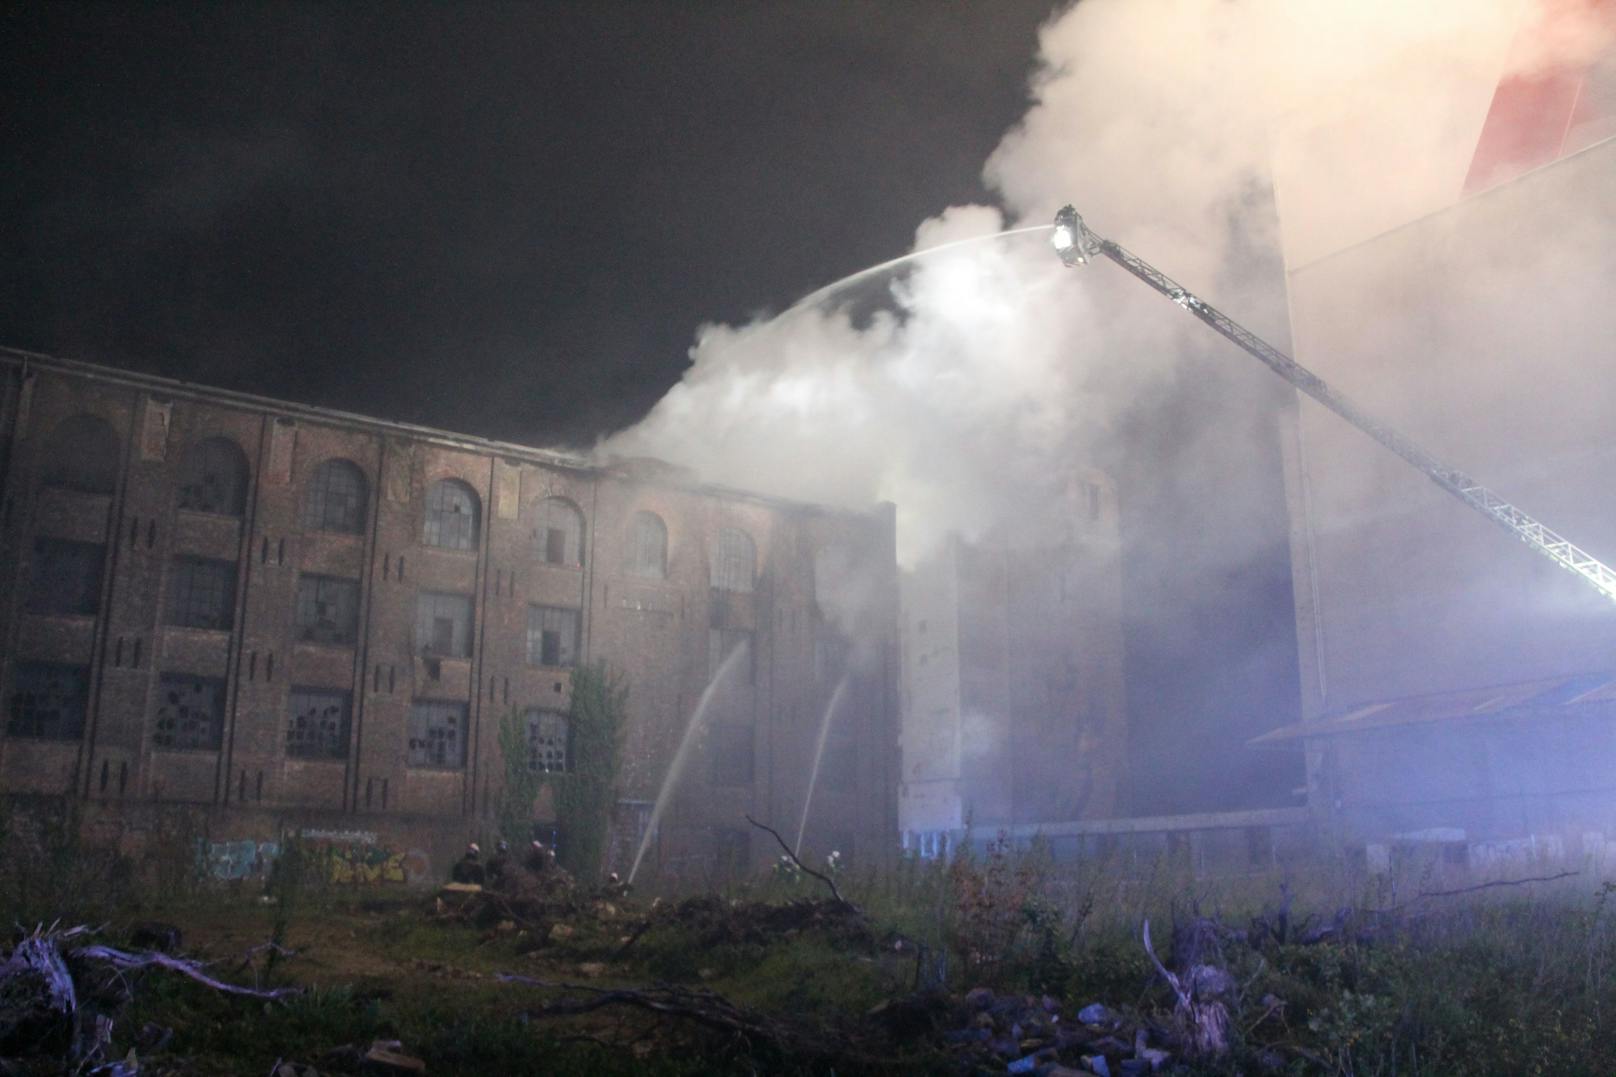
<point x="1552" y="698"/>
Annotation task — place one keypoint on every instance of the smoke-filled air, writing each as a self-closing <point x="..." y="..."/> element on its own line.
<point x="1164" y="121"/>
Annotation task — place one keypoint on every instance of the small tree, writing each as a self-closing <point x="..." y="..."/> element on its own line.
<point x="587" y="793"/>
<point x="522" y="781"/>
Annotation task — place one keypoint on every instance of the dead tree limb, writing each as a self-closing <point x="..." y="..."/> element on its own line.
<point x="122" y="960"/>
<point x="1423" y="894"/>
<point x="826" y="879"/>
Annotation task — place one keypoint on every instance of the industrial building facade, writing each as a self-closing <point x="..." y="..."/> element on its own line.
<point x="287" y="618"/>
<point x="1015" y="712"/>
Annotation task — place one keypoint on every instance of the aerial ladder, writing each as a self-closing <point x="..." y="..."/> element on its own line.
<point x="1076" y="244"/>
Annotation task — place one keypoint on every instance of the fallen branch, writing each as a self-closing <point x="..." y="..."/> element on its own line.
<point x="123" y="961"/>
<point x="703" y="1007"/>
<point x="1423" y="894"/>
<point x="826" y="879"/>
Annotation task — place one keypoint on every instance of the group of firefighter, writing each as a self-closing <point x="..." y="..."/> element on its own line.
<point x="539" y="861"/>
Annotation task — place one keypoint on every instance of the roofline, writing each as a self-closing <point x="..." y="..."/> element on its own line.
<point x="1287" y="734"/>
<point x="24" y="359"/>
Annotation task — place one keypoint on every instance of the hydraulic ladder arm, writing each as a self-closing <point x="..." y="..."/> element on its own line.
<point x="1076" y="244"/>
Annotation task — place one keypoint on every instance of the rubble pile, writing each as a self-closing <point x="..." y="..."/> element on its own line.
<point x="717" y="922"/>
<point x="1008" y="1033"/>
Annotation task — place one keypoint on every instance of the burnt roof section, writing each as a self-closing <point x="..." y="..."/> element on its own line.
<point x="646" y="470"/>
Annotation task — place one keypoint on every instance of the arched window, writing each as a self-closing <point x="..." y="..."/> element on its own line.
<point x="451" y="516"/>
<point x="648" y="547"/>
<point x="735" y="563"/>
<point x="337" y="498"/>
<point x="213" y="478"/>
<point x="82" y="454"/>
<point x="560" y="532"/>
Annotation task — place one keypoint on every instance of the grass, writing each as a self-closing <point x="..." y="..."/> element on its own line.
<point x="1516" y="980"/>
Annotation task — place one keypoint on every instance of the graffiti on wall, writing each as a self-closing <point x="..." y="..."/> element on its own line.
<point x="344" y="857"/>
<point x="244" y="859"/>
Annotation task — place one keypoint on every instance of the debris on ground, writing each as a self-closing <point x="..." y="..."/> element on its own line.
<point x="61" y="992"/>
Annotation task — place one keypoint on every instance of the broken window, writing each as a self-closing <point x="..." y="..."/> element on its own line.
<point x="82" y="454"/>
<point x="327" y="610"/>
<point x="552" y="636"/>
<point x="560" y="532"/>
<point x="731" y="755"/>
<point x="48" y="701"/>
<point x="547" y="733"/>
<point x="317" y="724"/>
<point x="66" y="578"/>
<point x="201" y="593"/>
<point x="721" y="643"/>
<point x="451" y="516"/>
<point x="648" y="547"/>
<point x="190" y="712"/>
<point x="443" y="625"/>
<point x="735" y="564"/>
<point x="213" y="478"/>
<point x="337" y="498"/>
<point x="437" y="734"/>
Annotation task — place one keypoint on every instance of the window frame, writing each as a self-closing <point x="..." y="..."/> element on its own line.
<point x="337" y="748"/>
<point x="534" y="721"/>
<point x="184" y="574"/>
<point x="443" y="525"/>
<point x="315" y="513"/>
<point x="648" y="534"/>
<point x="15" y="726"/>
<point x="569" y="637"/>
<point x="424" y="711"/>
<point x="301" y="627"/>
<point x="427" y="605"/>
<point x="734" y="567"/>
<point x="40" y="595"/>
<point x="193" y="465"/>
<point x="573" y="532"/>
<point x="216" y="722"/>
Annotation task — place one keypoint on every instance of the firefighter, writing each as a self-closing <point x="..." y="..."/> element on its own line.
<point x="500" y="864"/>
<point x="469" y="868"/>
<point x="539" y="858"/>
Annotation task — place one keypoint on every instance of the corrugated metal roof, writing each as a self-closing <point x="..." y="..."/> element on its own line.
<point x="1527" y="699"/>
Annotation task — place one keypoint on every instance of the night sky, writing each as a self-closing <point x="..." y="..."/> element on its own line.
<point x="509" y="220"/>
<point x="506" y="220"/>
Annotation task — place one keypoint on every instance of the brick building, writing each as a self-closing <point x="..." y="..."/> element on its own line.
<point x="287" y="617"/>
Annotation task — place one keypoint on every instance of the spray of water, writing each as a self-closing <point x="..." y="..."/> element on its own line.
<point x="819" y="295"/>
<point x="677" y="767"/>
<point x="819" y="754"/>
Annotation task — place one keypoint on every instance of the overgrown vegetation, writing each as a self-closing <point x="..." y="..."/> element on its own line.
<point x="1326" y="973"/>
<point x="586" y="793"/>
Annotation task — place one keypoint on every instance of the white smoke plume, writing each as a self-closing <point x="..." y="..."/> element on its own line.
<point x="1165" y="121"/>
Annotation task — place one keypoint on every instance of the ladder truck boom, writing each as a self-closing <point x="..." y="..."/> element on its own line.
<point x="1076" y="244"/>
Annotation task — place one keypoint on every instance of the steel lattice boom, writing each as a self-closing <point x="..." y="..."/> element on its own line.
<point x="1077" y="244"/>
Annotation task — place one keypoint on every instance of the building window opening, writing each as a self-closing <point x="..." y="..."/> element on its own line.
<point x="327" y="610"/>
<point x="190" y="713"/>
<point x="648" y="547"/>
<point x="560" y="532"/>
<point x="547" y="733"/>
<point x="82" y="454"/>
<point x="66" y="578"/>
<point x="735" y="566"/>
<point x="552" y="636"/>
<point x="443" y="625"/>
<point x="214" y="478"/>
<point x="317" y="724"/>
<point x="451" y="516"/>
<point x="337" y="498"/>
<point x="437" y="735"/>
<point x="48" y="701"/>
<point x="201" y="593"/>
